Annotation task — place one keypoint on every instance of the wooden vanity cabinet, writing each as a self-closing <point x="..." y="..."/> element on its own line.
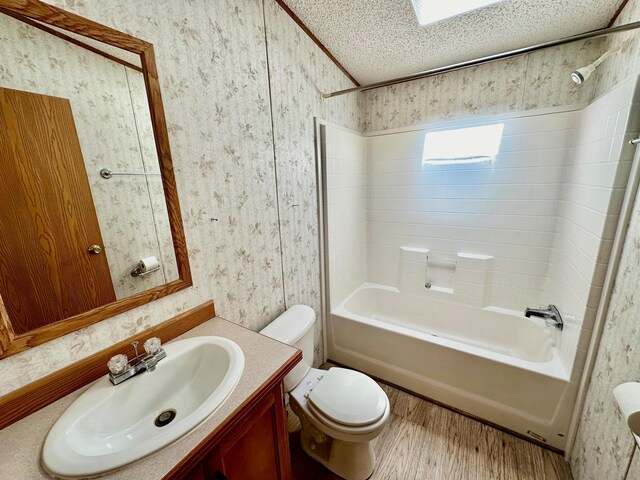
<point x="253" y="444"/>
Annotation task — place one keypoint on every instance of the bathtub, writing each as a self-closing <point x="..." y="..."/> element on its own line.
<point x="491" y="363"/>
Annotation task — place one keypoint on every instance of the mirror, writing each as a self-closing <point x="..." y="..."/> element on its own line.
<point x="90" y="221"/>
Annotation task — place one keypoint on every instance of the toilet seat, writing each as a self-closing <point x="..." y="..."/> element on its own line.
<point x="351" y="432"/>
<point x="299" y="400"/>
<point x="348" y="398"/>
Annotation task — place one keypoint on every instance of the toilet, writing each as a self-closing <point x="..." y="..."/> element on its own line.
<point x="341" y="410"/>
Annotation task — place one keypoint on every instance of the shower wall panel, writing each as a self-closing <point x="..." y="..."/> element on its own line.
<point x="345" y="162"/>
<point x="593" y="188"/>
<point x="505" y="208"/>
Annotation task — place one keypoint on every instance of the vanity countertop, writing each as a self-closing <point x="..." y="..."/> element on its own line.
<point x="21" y="442"/>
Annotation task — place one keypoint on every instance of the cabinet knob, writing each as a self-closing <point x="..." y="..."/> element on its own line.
<point x="95" y="249"/>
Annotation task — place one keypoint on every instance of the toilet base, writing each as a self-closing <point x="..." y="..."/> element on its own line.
<point x="350" y="460"/>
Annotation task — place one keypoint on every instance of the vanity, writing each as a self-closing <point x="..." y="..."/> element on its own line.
<point x="245" y="438"/>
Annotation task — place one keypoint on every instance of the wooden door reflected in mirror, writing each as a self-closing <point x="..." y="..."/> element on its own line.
<point x="86" y="176"/>
<point x="48" y="271"/>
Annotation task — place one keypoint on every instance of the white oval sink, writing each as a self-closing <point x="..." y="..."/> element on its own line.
<point x="110" y="426"/>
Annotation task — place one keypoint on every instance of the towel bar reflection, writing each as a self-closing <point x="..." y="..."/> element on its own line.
<point x="137" y="272"/>
<point x="107" y="174"/>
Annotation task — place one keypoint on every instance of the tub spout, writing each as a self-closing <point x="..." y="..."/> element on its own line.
<point x="550" y="314"/>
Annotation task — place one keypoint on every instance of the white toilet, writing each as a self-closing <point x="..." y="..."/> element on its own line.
<point x="341" y="411"/>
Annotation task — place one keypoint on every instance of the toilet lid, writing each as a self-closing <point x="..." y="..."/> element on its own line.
<point x="349" y="398"/>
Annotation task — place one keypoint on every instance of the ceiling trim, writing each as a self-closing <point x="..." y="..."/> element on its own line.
<point x="618" y="12"/>
<point x="326" y="51"/>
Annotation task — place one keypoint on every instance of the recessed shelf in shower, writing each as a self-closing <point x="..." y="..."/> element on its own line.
<point x="440" y="271"/>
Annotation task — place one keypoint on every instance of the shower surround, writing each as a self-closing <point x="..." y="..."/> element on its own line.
<point x="532" y="227"/>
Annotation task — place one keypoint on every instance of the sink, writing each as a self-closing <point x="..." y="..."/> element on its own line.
<point x="110" y="426"/>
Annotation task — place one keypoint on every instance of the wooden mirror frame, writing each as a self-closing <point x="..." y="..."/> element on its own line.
<point x="39" y="14"/>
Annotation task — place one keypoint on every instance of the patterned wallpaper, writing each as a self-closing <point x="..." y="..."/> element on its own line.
<point x="620" y="67"/>
<point x="604" y="447"/>
<point x="527" y="82"/>
<point x="146" y="138"/>
<point x="299" y="73"/>
<point x="110" y="106"/>
<point x="213" y="71"/>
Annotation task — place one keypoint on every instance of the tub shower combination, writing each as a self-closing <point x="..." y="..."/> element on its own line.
<point x="424" y="320"/>
<point x="535" y="216"/>
<point x="492" y="363"/>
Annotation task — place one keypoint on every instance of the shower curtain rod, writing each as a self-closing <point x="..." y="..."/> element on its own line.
<point x="491" y="58"/>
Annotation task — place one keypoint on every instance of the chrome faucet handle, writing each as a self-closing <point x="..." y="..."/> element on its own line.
<point x="152" y="345"/>
<point x="122" y="369"/>
<point x="118" y="364"/>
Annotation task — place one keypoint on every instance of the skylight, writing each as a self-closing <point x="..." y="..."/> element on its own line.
<point x="430" y="11"/>
<point x="462" y="145"/>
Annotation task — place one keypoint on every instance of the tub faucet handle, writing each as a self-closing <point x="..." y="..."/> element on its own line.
<point x="550" y="314"/>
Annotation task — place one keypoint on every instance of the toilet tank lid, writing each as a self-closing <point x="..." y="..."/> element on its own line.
<point x="292" y="325"/>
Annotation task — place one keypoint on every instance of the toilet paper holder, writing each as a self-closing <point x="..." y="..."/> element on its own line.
<point x="141" y="270"/>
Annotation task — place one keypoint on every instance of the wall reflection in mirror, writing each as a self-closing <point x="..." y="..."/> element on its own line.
<point x="71" y="237"/>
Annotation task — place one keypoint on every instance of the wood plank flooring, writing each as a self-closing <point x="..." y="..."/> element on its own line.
<point x="425" y="441"/>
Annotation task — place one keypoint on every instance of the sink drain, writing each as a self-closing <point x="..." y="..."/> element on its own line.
<point x="165" y="418"/>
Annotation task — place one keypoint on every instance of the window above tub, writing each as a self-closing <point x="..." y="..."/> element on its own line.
<point x="431" y="11"/>
<point x="462" y="145"/>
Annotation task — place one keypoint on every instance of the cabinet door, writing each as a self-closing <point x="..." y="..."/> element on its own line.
<point x="258" y="449"/>
<point x="196" y="474"/>
<point x="201" y="472"/>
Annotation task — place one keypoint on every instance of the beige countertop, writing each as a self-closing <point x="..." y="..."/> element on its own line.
<point x="20" y="443"/>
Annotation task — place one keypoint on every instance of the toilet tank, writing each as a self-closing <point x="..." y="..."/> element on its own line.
<point x="295" y="327"/>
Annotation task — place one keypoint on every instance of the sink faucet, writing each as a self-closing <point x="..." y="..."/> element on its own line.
<point x="551" y="315"/>
<point x="121" y="368"/>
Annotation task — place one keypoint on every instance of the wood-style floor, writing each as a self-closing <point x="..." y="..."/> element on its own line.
<point x="423" y="441"/>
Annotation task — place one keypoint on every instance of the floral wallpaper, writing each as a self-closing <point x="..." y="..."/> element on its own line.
<point x="618" y="68"/>
<point x="604" y="444"/>
<point x="299" y="72"/>
<point x="146" y="139"/>
<point x="604" y="447"/>
<point x="112" y="117"/>
<point x="214" y="75"/>
<point x="533" y="81"/>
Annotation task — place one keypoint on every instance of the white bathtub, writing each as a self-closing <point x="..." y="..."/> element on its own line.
<point x="489" y="362"/>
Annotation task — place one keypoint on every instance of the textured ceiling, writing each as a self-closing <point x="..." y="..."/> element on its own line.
<point x="381" y="39"/>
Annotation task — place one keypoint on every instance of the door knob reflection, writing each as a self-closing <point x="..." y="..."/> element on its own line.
<point x="95" y="249"/>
